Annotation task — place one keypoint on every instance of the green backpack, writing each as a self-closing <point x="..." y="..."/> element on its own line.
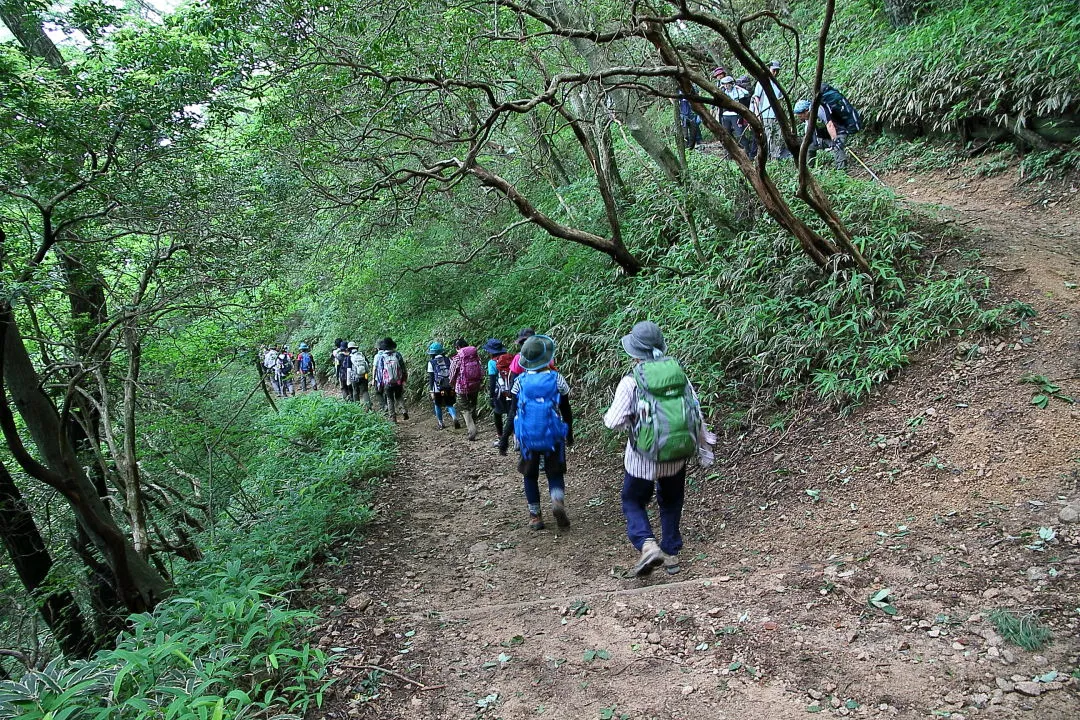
<point x="668" y="417"/>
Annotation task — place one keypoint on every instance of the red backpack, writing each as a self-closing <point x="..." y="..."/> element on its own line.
<point x="502" y="376"/>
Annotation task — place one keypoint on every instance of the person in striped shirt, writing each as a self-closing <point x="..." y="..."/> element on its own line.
<point x="643" y="476"/>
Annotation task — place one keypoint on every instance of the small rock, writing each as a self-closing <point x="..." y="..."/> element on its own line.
<point x="1029" y="688"/>
<point x="1005" y="685"/>
<point x="815" y="694"/>
<point x="378" y="632"/>
<point x="687" y="689"/>
<point x="934" y="631"/>
<point x="957" y="716"/>
<point x="1040" y="660"/>
<point x="1069" y="514"/>
<point x="359" y="602"/>
<point x="954" y="697"/>
<point x="716" y="612"/>
<point x="993" y="653"/>
<point x="835" y="702"/>
<point x="653" y="638"/>
<point x="958" y="646"/>
<point x="1034" y="574"/>
<point x="991" y="593"/>
<point x="980" y="700"/>
<point x="1051" y="686"/>
<point x="1008" y="657"/>
<point x="930" y="587"/>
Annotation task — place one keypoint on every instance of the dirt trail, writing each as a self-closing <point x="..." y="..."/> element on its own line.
<point x="936" y="490"/>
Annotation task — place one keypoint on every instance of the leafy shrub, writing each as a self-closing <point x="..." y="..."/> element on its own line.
<point x="229" y="645"/>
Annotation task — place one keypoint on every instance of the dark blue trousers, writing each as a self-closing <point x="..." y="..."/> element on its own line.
<point x="636" y="495"/>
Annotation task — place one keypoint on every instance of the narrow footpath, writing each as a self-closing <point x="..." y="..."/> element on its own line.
<point x="450" y="607"/>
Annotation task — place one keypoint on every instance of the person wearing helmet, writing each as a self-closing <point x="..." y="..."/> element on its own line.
<point x="440" y="388"/>
<point x="305" y="363"/>
<point x="357" y="375"/>
<point x="828" y="133"/>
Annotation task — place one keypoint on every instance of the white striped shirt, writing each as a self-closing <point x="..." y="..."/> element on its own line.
<point x="621" y="414"/>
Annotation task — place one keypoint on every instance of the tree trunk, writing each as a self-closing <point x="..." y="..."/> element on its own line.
<point x="140" y="586"/>
<point x="32" y="562"/>
<point x="25" y="25"/>
<point x="132" y="482"/>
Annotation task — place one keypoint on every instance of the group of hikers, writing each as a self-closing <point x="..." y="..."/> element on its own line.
<point x="835" y="120"/>
<point x="530" y="401"/>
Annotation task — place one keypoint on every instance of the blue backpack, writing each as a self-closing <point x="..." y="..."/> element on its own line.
<point x="307" y="363"/>
<point x="537" y="425"/>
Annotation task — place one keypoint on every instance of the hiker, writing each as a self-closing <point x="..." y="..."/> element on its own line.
<point x="467" y="377"/>
<point x="543" y="424"/>
<point x="689" y="122"/>
<point x="269" y="366"/>
<point x="498" y="370"/>
<point x="760" y="104"/>
<point x="659" y="408"/>
<point x="440" y="387"/>
<point x="729" y="118"/>
<point x="341" y="369"/>
<point x="305" y="363"/>
<point x="390" y="378"/>
<point x="283" y="371"/>
<point x="749" y="139"/>
<point x="836" y="119"/>
<point x="357" y="373"/>
<point x="719" y="73"/>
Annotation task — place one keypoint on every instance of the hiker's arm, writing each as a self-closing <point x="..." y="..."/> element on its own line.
<point x="621" y="412"/>
<point x="431" y="383"/>
<point x="568" y="418"/>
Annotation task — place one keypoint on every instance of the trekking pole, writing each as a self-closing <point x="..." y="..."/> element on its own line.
<point x="866" y="167"/>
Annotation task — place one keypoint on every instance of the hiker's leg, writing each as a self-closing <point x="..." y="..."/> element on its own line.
<point x="530" y="475"/>
<point x="468" y="409"/>
<point x="636" y="494"/>
<point x="839" y="148"/>
<point x="401" y="402"/>
<point x="670" y="492"/>
<point x="365" y="395"/>
<point x="499" y="424"/>
<point x="555" y="469"/>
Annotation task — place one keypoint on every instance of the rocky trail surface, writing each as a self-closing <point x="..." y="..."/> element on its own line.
<point x="948" y="496"/>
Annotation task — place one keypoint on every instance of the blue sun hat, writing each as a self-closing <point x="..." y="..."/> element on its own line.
<point x="435" y="348"/>
<point x="494" y="347"/>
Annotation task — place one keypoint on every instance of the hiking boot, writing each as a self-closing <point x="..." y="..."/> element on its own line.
<point x="651" y="558"/>
<point x="404" y="416"/>
<point x="558" y="509"/>
<point x="439" y="425"/>
<point x="472" y="434"/>
<point x="457" y="424"/>
<point x="535" y="521"/>
<point x="494" y="443"/>
<point x="671" y="564"/>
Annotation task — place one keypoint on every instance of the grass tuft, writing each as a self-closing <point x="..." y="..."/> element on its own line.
<point x="1022" y="630"/>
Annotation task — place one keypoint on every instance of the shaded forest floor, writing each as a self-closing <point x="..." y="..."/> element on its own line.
<point x="936" y="490"/>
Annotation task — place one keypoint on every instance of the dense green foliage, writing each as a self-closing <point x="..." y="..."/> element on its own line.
<point x="961" y="65"/>
<point x="230" y="644"/>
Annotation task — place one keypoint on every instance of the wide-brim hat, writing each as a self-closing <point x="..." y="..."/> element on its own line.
<point x="537" y="352"/>
<point x="494" y="347"/>
<point x="351" y="346"/>
<point x="645" y="341"/>
<point x="524" y="334"/>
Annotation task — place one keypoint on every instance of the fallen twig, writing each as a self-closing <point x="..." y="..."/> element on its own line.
<point x="399" y="676"/>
